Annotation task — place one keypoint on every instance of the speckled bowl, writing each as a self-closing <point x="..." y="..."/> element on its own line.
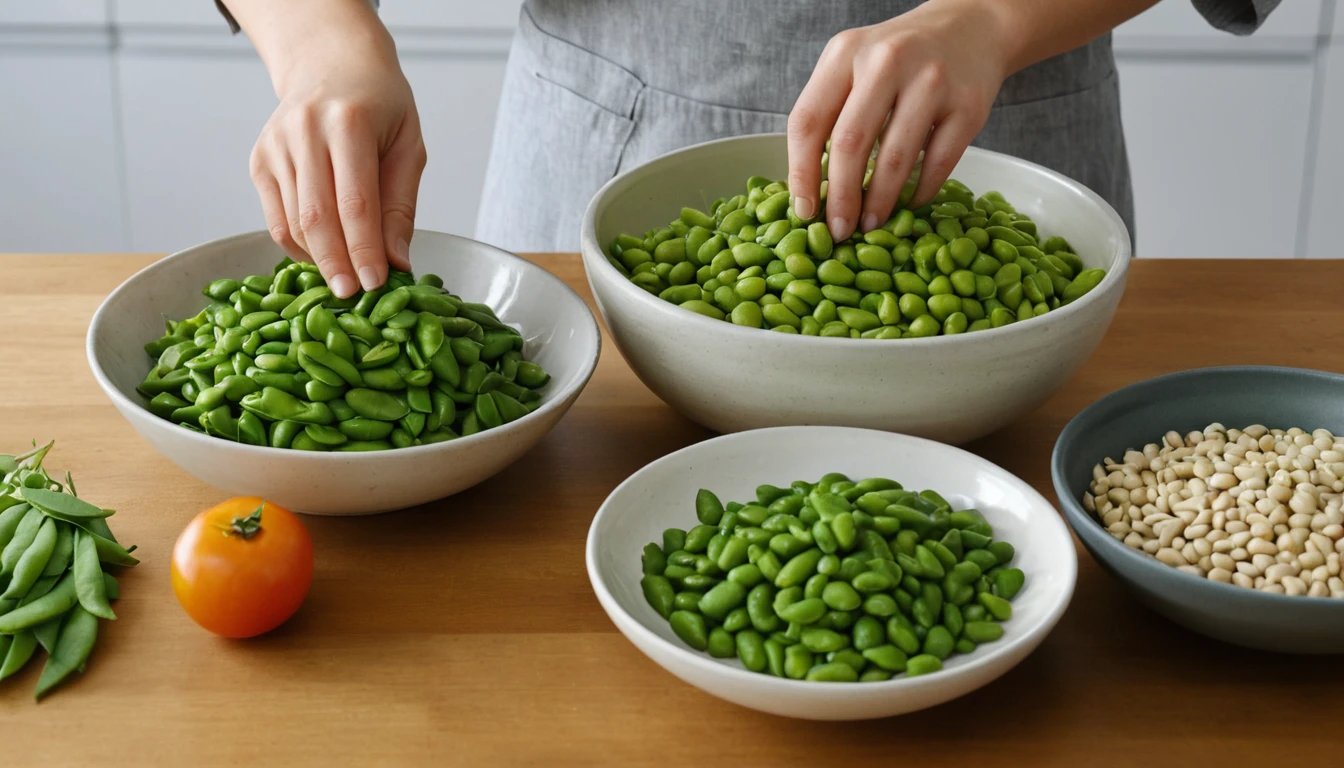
<point x="1131" y="417"/>
<point x="947" y="388"/>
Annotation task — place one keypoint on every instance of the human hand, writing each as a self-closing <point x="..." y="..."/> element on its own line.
<point x="338" y="164"/>
<point x="923" y="80"/>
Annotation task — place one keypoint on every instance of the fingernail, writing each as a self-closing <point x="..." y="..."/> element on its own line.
<point x="804" y="208"/>
<point x="839" y="229"/>
<point x="343" y="286"/>
<point x="404" y="251"/>
<point x="368" y="277"/>
<point x="869" y="222"/>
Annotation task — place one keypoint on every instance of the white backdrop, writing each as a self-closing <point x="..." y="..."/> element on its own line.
<point x="125" y="125"/>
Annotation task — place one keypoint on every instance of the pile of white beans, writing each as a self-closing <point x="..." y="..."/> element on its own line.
<point x="1259" y="508"/>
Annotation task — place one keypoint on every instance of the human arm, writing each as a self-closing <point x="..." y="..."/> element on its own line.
<point x="923" y="80"/>
<point x="338" y="164"/>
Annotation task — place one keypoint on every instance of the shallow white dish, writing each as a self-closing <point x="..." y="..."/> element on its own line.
<point x="561" y="335"/>
<point x="662" y="495"/>
<point x="948" y="388"/>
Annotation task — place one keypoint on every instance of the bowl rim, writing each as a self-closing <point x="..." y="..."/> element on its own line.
<point x="594" y="257"/>
<point x="552" y="403"/>
<point x="1166" y="577"/>
<point x="1031" y="636"/>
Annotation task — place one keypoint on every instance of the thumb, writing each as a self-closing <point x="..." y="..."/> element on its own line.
<point x="399" y="182"/>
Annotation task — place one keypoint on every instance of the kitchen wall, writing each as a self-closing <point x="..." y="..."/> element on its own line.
<point x="126" y="124"/>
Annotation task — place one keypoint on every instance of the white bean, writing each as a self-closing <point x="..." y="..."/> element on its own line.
<point x="1294" y="586"/>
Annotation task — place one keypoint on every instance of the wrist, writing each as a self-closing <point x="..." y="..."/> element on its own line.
<point x="991" y="27"/>
<point x="303" y="40"/>
<point x="1011" y="37"/>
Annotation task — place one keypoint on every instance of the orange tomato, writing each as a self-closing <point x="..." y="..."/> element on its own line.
<point x="243" y="567"/>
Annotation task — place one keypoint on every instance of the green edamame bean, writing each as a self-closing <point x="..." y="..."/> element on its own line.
<point x="751" y="650"/>
<point x="708" y="508"/>
<point x="690" y="627"/>
<point x="998" y="607"/>
<point x="938" y="642"/>
<point x="760" y="608"/>
<point x="818" y="640"/>
<point x="722" y="598"/>
<point x="797" y="662"/>
<point x="841" y="596"/>
<point x="982" y="631"/>
<point x="806" y="611"/>
<point x="721" y="644"/>
<point x="1008" y="582"/>
<point x="833" y="672"/>
<point x="799" y="568"/>
<point x="923" y="664"/>
<point x="868" y="633"/>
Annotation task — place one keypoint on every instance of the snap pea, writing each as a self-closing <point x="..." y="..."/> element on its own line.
<point x="885" y="599"/>
<point x="33" y="562"/>
<point x="18" y="650"/>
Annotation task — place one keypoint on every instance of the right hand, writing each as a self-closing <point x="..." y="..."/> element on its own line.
<point x="338" y="164"/>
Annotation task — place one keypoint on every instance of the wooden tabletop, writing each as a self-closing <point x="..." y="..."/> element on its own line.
<point x="465" y="631"/>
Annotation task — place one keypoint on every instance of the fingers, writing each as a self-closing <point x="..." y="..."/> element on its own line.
<point x="904" y="137"/>
<point x="399" y="184"/>
<point x="944" y="150"/>
<point x="852" y="141"/>
<point x="354" y="165"/>
<point x="319" y="216"/>
<point x="810" y="124"/>
<point x="273" y="205"/>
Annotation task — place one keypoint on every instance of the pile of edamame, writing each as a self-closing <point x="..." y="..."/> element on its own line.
<point x="958" y="264"/>
<point x="53" y="589"/>
<point x="834" y="581"/>
<point x="277" y="360"/>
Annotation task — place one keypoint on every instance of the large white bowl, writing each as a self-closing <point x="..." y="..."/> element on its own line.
<point x="948" y="388"/>
<point x="561" y="335"/>
<point x="662" y="495"/>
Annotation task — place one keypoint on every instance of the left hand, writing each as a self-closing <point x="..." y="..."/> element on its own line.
<point x="934" y="71"/>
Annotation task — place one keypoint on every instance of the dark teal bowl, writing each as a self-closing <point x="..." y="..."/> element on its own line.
<point x="1139" y="414"/>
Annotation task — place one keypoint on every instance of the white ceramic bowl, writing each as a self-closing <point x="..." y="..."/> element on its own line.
<point x="561" y="335"/>
<point x="662" y="495"/>
<point x="952" y="388"/>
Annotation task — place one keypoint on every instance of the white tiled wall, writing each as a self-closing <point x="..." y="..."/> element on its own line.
<point x="126" y="124"/>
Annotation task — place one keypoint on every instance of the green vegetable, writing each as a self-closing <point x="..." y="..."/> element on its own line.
<point x="924" y="273"/>
<point x="291" y="366"/>
<point x="55" y="549"/>
<point x="837" y="581"/>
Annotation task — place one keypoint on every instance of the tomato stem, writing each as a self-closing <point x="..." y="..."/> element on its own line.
<point x="247" y="527"/>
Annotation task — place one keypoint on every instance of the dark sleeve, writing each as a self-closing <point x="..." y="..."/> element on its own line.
<point x="233" y="25"/>
<point x="1240" y="17"/>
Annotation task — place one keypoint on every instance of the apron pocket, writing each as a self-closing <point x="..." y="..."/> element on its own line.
<point x="557" y="141"/>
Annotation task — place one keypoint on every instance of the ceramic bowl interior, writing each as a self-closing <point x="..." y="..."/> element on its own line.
<point x="1235" y="397"/>
<point x="948" y="388"/>
<point x="561" y="335"/>
<point x="661" y="496"/>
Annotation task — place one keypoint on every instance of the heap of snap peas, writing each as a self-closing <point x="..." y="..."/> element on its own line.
<point x="277" y="360"/>
<point x="53" y="589"/>
<point x="834" y="581"/>
<point x="958" y="264"/>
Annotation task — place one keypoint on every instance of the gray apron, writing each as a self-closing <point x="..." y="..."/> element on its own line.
<point x="596" y="87"/>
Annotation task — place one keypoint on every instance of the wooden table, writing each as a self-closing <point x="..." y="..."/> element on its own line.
<point x="465" y="632"/>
